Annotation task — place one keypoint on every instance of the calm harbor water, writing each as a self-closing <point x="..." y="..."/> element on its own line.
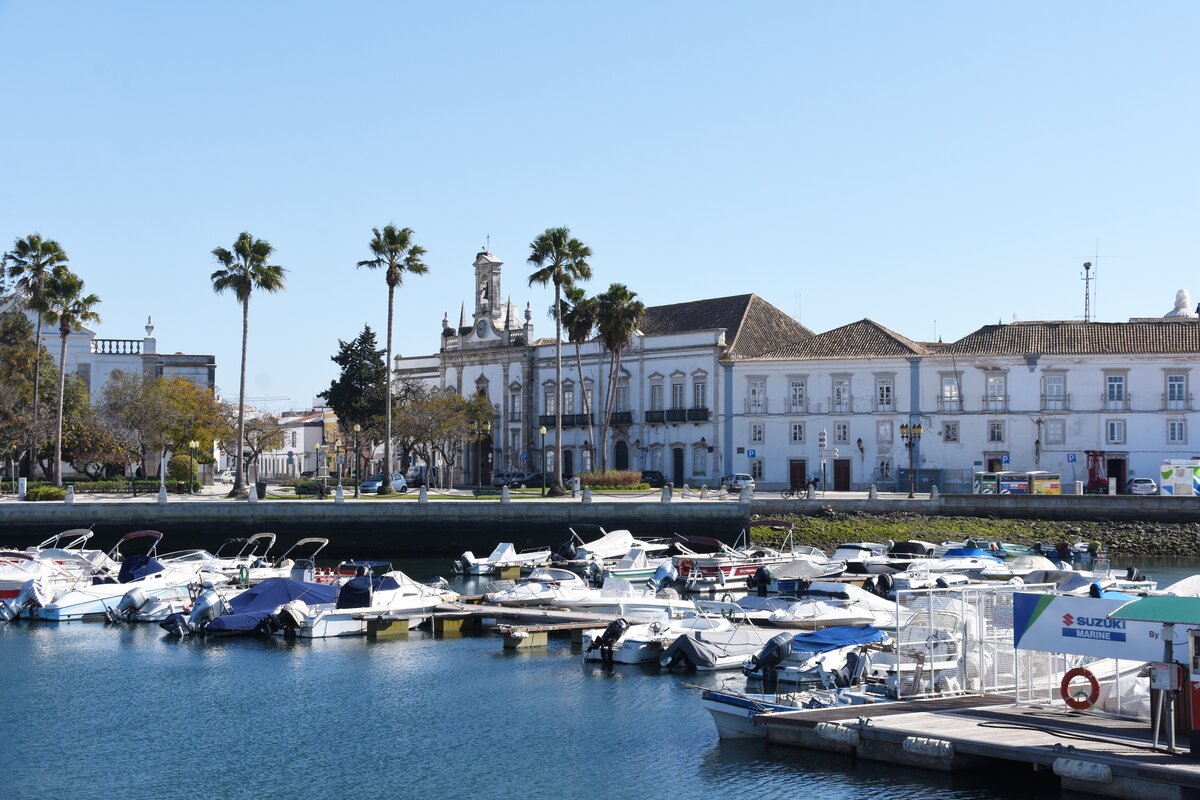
<point x="129" y="712"/>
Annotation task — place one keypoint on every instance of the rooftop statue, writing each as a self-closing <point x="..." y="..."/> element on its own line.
<point x="1182" y="307"/>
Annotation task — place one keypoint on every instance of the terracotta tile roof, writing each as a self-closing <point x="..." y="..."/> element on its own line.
<point x="863" y="339"/>
<point x="1076" y="337"/>
<point x="752" y="325"/>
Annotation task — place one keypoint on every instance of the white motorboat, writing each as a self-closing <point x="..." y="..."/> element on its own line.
<point x="807" y="564"/>
<point x="608" y="547"/>
<point x="718" y="648"/>
<point x="99" y="600"/>
<point x="899" y="556"/>
<point x="50" y="561"/>
<point x="829" y="604"/>
<point x="621" y="597"/>
<point x="626" y="642"/>
<point x="254" y="552"/>
<point x="832" y="658"/>
<point x="505" y="556"/>
<point x="540" y="587"/>
<point x="287" y="564"/>
<point x="363" y="599"/>
<point x="730" y="567"/>
<point x="633" y="565"/>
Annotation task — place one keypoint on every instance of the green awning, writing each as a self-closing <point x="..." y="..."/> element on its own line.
<point x="1164" y="609"/>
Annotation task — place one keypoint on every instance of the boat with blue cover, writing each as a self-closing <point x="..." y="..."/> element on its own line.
<point x="251" y="611"/>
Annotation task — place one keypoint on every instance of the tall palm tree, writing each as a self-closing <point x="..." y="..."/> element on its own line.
<point x="618" y="312"/>
<point x="29" y="265"/>
<point x="67" y="306"/>
<point x="397" y="253"/>
<point x="245" y="268"/>
<point x="579" y="318"/>
<point x="560" y="259"/>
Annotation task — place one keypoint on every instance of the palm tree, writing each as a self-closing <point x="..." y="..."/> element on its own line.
<point x="29" y="264"/>
<point x="396" y="252"/>
<point x="618" y="312"/>
<point x="579" y="318"/>
<point x="245" y="269"/>
<point x="67" y="306"/>
<point x="560" y="259"/>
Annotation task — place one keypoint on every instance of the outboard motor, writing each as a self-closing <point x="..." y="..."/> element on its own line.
<point x="592" y="572"/>
<point x="566" y="552"/>
<point x="605" y="641"/>
<point x="34" y="593"/>
<point x="768" y="660"/>
<point x="1133" y="574"/>
<point x="291" y="617"/>
<point x="133" y="602"/>
<point x="882" y="585"/>
<point x="209" y="605"/>
<point x="760" y="580"/>
<point x="665" y="574"/>
<point x="668" y="593"/>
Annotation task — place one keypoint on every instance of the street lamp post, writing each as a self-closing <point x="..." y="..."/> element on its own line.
<point x="542" y="431"/>
<point x="357" y="428"/>
<point x="192" y="445"/>
<point x="479" y="429"/>
<point x="911" y="434"/>
<point x="338" y="459"/>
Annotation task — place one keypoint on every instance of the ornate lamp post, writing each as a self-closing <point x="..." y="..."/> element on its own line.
<point x="192" y="445"/>
<point x="542" y="431"/>
<point x="357" y="460"/>
<point x="911" y="434"/>
<point x="338" y="459"/>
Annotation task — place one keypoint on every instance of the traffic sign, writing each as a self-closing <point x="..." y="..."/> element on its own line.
<point x="1070" y="458"/>
<point x="524" y="457"/>
<point x="750" y="453"/>
<point x="1003" y="459"/>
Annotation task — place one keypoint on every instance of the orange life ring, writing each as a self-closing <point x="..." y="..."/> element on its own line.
<point x="1076" y="702"/>
<point x="685" y="566"/>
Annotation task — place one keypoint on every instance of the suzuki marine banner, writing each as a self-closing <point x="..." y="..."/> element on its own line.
<point x="1080" y="626"/>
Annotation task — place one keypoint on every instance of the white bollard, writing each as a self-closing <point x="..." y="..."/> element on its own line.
<point x="666" y="494"/>
<point x="23" y="483"/>
<point x="587" y="494"/>
<point x="338" y="495"/>
<point x="505" y="497"/>
<point x="704" y="492"/>
<point x="812" y="492"/>
<point x="744" y="495"/>
<point x="933" y="492"/>
<point x="575" y="487"/>
<point x="70" y="498"/>
<point x="723" y="494"/>
<point x="423" y="496"/>
<point x="873" y="494"/>
<point x="251" y="496"/>
<point x="162" y="495"/>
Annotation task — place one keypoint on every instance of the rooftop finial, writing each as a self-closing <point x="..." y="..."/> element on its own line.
<point x="149" y="326"/>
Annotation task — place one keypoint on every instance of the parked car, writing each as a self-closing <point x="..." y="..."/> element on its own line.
<point x="1141" y="486"/>
<point x="517" y="480"/>
<point x="737" y="480"/>
<point x="223" y="476"/>
<point x="373" y="482"/>
<point x="653" y="478"/>
<point x="308" y="473"/>
<point x="421" y="475"/>
<point x="313" y="486"/>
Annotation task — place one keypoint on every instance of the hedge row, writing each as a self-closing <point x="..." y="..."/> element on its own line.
<point x="612" y="479"/>
<point x="98" y="487"/>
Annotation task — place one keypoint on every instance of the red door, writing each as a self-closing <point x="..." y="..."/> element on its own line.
<point x="797" y="472"/>
<point x="841" y="474"/>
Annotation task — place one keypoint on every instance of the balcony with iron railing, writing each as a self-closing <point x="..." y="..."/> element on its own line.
<point x="697" y="415"/>
<point x="756" y="406"/>
<point x="885" y="408"/>
<point x="995" y="402"/>
<point x="622" y="418"/>
<point x="798" y="407"/>
<point x="839" y="405"/>
<point x="655" y="416"/>
<point x="949" y="405"/>
<point x="514" y="415"/>
<point x="1177" y="402"/>
<point x="1056" y="402"/>
<point x="677" y="415"/>
<point x="1113" y="403"/>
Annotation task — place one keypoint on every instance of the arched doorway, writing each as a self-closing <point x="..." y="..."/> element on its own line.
<point x="677" y="465"/>
<point x="621" y="455"/>
<point x="568" y="464"/>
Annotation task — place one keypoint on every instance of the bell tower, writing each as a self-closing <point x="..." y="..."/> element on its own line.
<point x="488" y="303"/>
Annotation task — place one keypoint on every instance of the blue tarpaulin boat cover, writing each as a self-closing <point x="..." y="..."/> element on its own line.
<point x="257" y="603"/>
<point x="833" y="638"/>
<point x="356" y="593"/>
<point x="134" y="567"/>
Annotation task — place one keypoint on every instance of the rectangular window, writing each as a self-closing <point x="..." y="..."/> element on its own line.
<point x="798" y="397"/>
<point x="756" y="433"/>
<point x="568" y="399"/>
<point x="1115" y="388"/>
<point x="756" y="469"/>
<point x="1177" y="397"/>
<point x="1176" y="431"/>
<point x="677" y="396"/>
<point x="949" y="431"/>
<point x="1054" y="393"/>
<point x="1115" y="431"/>
<point x="623" y="397"/>
<point x="995" y="431"/>
<point x="585" y="457"/>
<point x="884" y="392"/>
<point x="548" y="458"/>
<point x="293" y="439"/>
<point x="656" y="459"/>
<point x="797" y="433"/>
<point x="757" y="397"/>
<point x="551" y="402"/>
<point x="883" y="431"/>
<point x="699" y="460"/>
<point x="885" y="467"/>
<point x="514" y="445"/>
<point x="997" y="391"/>
<point x="949" y="399"/>
<point x="656" y="397"/>
<point x="841" y="395"/>
<point x="589" y="405"/>
<point x="699" y="394"/>
<point x="514" y="405"/>
<point x="1055" y="431"/>
<point x="841" y="431"/>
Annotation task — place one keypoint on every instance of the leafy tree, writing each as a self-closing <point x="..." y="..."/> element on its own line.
<point x="17" y="365"/>
<point x="359" y="394"/>
<point x="94" y="447"/>
<point x="579" y="318"/>
<point x="263" y="432"/>
<point x="618" y="312"/>
<point x="437" y="422"/>
<point x="245" y="268"/>
<point x="186" y="411"/>
<point x="29" y="266"/>
<point x="562" y="260"/>
<point x="396" y="253"/>
<point x="133" y="411"/>
<point x="68" y="307"/>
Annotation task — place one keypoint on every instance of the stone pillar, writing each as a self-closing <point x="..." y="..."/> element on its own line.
<point x="162" y="495"/>
<point x="704" y="492"/>
<point x="666" y="493"/>
<point x="812" y="492"/>
<point x="70" y="498"/>
<point x="338" y="495"/>
<point x="933" y="492"/>
<point x="587" y="494"/>
<point x="505" y="497"/>
<point x="423" y="495"/>
<point x="873" y="494"/>
<point x="251" y="496"/>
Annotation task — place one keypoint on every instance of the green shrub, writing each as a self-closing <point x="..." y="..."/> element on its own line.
<point x="38" y="493"/>
<point x="612" y="479"/>
<point x="177" y="468"/>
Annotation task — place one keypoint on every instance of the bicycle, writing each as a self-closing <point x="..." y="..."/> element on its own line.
<point x="792" y="493"/>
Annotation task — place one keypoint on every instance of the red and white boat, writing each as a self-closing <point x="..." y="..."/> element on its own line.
<point x="729" y="567"/>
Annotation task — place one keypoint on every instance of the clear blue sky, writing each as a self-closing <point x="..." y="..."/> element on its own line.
<point x="912" y="162"/>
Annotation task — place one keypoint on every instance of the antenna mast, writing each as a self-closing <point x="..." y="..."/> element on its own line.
<point x="1087" y="291"/>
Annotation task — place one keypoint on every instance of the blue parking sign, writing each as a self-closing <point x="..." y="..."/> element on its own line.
<point x="750" y="454"/>
<point x="1070" y="458"/>
<point x="524" y="457"/>
<point x="1003" y="459"/>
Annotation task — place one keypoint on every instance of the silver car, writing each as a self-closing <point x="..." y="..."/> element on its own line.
<point x="372" y="483"/>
